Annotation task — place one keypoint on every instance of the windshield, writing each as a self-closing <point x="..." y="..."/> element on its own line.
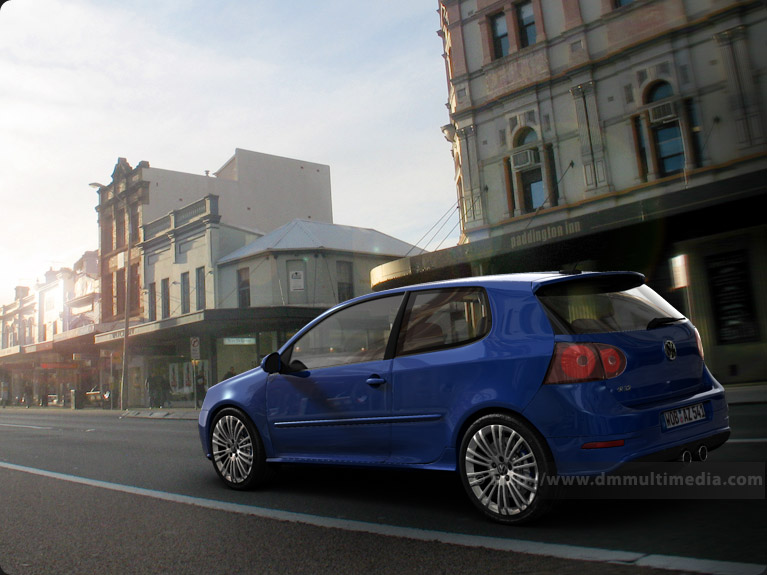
<point x="598" y="312"/>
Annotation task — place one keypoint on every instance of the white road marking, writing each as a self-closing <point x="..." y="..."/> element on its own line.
<point x="24" y="426"/>
<point x="749" y="440"/>
<point x="671" y="562"/>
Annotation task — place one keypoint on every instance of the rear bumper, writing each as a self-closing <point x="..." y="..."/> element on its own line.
<point x="569" y="419"/>
<point x="675" y="453"/>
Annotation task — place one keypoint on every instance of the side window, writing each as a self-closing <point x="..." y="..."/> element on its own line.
<point x="352" y="335"/>
<point x="438" y="319"/>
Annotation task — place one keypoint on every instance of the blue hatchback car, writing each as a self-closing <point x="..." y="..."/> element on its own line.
<point x="505" y="379"/>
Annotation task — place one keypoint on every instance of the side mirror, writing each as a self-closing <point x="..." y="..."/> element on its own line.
<point x="272" y="363"/>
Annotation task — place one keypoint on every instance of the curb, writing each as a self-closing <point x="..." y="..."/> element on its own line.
<point x="190" y="415"/>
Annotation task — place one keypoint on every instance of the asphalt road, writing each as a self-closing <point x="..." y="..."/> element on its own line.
<point x="88" y="492"/>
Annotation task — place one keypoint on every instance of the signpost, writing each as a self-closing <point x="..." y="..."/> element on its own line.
<point x="194" y="347"/>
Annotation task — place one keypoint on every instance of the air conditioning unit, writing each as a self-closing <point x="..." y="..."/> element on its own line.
<point x="525" y="158"/>
<point x="662" y="113"/>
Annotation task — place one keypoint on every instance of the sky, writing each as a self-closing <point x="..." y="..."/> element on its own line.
<point x="359" y="86"/>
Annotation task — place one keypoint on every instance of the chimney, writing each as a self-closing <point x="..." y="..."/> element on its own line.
<point x="21" y="292"/>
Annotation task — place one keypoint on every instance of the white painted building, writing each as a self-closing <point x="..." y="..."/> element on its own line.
<point x="614" y="134"/>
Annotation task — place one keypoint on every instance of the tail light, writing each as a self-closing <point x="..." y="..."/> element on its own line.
<point x="581" y="362"/>
<point x="699" y="342"/>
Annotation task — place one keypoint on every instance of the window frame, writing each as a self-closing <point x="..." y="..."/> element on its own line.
<point x="185" y="292"/>
<point x="200" y="289"/>
<point x="243" y="287"/>
<point x="165" y="298"/>
<point x="152" y="301"/>
<point x="523" y="28"/>
<point x="500" y="40"/>
<point x="287" y="358"/>
<point x="410" y="303"/>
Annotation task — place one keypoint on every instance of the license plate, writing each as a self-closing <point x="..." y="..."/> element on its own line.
<point x="684" y="415"/>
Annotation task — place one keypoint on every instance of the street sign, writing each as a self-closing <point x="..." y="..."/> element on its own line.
<point x="194" y="343"/>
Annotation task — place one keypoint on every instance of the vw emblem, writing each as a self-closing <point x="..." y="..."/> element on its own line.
<point x="669" y="348"/>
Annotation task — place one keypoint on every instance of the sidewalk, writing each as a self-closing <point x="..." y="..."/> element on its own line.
<point x="163" y="413"/>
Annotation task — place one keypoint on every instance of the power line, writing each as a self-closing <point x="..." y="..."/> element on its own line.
<point x="447" y="213"/>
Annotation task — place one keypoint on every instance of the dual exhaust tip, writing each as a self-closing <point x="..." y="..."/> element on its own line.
<point x="700" y="454"/>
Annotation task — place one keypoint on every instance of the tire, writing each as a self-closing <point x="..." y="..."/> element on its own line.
<point x="503" y="463"/>
<point x="238" y="452"/>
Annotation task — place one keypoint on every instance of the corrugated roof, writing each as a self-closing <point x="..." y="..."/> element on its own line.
<point x="309" y="235"/>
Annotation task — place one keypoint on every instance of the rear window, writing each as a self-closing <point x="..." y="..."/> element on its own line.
<point x="598" y="307"/>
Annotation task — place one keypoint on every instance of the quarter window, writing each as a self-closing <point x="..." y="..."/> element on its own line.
<point x="439" y="319"/>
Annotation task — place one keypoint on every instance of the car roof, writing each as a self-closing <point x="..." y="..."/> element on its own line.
<point x="529" y="280"/>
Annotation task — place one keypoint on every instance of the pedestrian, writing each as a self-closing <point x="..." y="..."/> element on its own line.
<point x="200" y="389"/>
<point x="230" y="373"/>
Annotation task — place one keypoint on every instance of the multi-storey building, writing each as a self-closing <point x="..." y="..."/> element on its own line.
<point x="47" y="342"/>
<point x="614" y="134"/>
<point x="213" y="285"/>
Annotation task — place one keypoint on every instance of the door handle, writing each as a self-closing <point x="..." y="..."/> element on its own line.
<point x="375" y="380"/>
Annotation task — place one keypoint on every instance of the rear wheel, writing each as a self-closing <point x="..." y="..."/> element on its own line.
<point x="238" y="453"/>
<point x="503" y="464"/>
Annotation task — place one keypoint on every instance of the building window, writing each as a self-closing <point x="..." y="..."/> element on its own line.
<point x="134" y="224"/>
<point x="696" y="131"/>
<point x="107" y="241"/>
<point x="120" y="291"/>
<point x="666" y="132"/>
<point x="533" y="188"/>
<point x="152" y="302"/>
<point x="641" y="147"/>
<point x="165" y="298"/>
<point x="526" y="23"/>
<point x="345" y="273"/>
<point x="500" y="35"/>
<point x="107" y="290"/>
<point x="243" y="287"/>
<point x="135" y="295"/>
<point x="526" y="162"/>
<point x="199" y="287"/>
<point x="184" y="288"/>
<point x="120" y="228"/>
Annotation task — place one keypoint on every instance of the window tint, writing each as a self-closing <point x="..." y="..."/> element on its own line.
<point x="438" y="319"/>
<point x="584" y="311"/>
<point x="354" y="334"/>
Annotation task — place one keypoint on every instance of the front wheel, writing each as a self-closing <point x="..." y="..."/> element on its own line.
<point x="238" y="453"/>
<point x="503" y="465"/>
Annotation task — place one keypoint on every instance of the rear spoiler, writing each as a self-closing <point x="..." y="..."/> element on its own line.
<point x="588" y="283"/>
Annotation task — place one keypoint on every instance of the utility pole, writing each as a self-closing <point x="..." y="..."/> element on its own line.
<point x="126" y="325"/>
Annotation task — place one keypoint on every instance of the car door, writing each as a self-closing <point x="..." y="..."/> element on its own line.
<point x="439" y="354"/>
<point x="332" y="401"/>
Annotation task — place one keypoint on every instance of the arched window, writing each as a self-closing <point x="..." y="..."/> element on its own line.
<point x="526" y="136"/>
<point x="527" y="163"/>
<point x="666" y="132"/>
